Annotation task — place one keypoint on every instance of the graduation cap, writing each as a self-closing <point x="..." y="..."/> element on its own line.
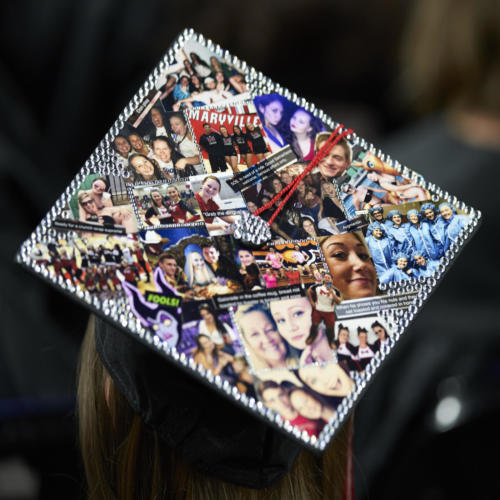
<point x="148" y="313"/>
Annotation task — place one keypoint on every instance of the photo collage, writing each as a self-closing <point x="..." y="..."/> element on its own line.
<point x="294" y="323"/>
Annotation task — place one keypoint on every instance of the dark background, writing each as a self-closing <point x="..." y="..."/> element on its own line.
<point x="67" y="68"/>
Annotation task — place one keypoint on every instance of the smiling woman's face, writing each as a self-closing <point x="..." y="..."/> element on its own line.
<point x="142" y="166"/>
<point x="157" y="198"/>
<point x="122" y="145"/>
<point x="309" y="227"/>
<point x="178" y="126"/>
<point x="350" y="265"/>
<point x="261" y="335"/>
<point x="446" y="212"/>
<point x="246" y="257"/>
<point x="156" y="118"/>
<point x="173" y="194"/>
<point x="136" y="141"/>
<point x="343" y="336"/>
<point x="206" y="343"/>
<point x="162" y="150"/>
<point x="209" y="189"/>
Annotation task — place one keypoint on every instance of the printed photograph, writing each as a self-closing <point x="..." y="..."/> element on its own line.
<point x="135" y="138"/>
<point x="166" y="204"/>
<point x="207" y="337"/>
<point x="285" y="122"/>
<point x="357" y="341"/>
<point x="274" y="388"/>
<point x="199" y="77"/>
<point x="289" y="333"/>
<point x="350" y="264"/>
<point x="408" y="240"/>
<point x="230" y="139"/>
<point x="100" y="205"/>
<point x="292" y="263"/>
<point x="97" y="263"/>
<point x="219" y="204"/>
<point x="156" y="145"/>
<point x="196" y="266"/>
<point x="307" y="398"/>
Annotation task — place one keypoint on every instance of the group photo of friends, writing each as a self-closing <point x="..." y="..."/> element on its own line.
<point x="286" y="123"/>
<point x="307" y="397"/>
<point x="313" y="210"/>
<point x="208" y="338"/>
<point x="292" y="332"/>
<point x="101" y="202"/>
<point x="358" y="340"/>
<point x="231" y="139"/>
<point x="408" y="241"/>
<point x="200" y="78"/>
<point x="160" y="147"/>
<point x="197" y="266"/>
<point x="166" y="204"/>
<point x="98" y="264"/>
<point x="218" y="203"/>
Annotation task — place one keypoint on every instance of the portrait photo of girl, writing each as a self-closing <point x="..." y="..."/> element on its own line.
<point x="293" y="318"/>
<point x="219" y="204"/>
<point x="350" y="264"/>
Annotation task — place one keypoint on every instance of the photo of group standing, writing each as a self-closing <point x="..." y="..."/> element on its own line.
<point x="358" y="340"/>
<point x="97" y="263"/>
<point x="230" y="138"/>
<point x="288" y="263"/>
<point x="409" y="240"/>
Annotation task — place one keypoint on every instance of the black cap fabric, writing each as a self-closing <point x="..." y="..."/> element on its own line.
<point x="210" y="431"/>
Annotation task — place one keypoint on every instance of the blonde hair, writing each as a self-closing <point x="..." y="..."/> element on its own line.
<point x="126" y="460"/>
<point x="291" y="359"/>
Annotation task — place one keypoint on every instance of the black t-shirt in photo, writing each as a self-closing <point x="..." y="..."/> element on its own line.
<point x="213" y="144"/>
